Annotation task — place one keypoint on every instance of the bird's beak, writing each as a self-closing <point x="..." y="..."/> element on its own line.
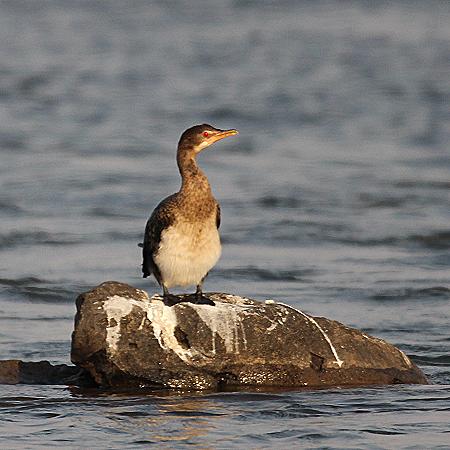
<point x="222" y="134"/>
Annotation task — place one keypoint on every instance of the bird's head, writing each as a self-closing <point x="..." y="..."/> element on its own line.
<point x="199" y="137"/>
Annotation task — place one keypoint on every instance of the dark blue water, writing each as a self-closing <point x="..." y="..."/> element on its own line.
<point x="335" y="199"/>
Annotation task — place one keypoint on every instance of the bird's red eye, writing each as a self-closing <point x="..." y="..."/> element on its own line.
<point x="205" y="133"/>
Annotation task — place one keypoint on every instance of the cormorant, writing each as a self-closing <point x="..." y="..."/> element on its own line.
<point x="181" y="241"/>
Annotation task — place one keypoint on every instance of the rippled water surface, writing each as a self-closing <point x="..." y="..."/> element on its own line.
<point x="335" y="199"/>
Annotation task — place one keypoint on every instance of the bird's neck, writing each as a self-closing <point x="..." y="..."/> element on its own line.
<point x="192" y="177"/>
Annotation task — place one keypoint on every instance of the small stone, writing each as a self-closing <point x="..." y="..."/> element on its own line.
<point x="14" y="371"/>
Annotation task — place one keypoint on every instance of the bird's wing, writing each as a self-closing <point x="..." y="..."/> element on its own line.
<point x="161" y="218"/>
<point x="218" y="216"/>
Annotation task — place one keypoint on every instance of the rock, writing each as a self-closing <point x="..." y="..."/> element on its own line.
<point x="14" y="371"/>
<point x="124" y="338"/>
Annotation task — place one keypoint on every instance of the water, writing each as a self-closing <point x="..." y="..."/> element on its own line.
<point x="335" y="199"/>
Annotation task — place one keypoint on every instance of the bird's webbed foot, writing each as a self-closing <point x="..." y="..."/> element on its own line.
<point x="200" y="299"/>
<point x="170" y="299"/>
<point x="197" y="299"/>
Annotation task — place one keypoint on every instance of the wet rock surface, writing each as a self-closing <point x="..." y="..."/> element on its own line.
<point x="14" y="371"/>
<point x="124" y="338"/>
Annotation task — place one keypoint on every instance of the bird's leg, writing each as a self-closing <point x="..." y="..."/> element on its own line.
<point x="199" y="292"/>
<point x="199" y="298"/>
<point x="169" y="299"/>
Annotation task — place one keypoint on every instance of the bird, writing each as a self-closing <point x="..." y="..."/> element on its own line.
<point x="181" y="240"/>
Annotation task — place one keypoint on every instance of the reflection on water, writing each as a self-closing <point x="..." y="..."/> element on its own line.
<point x="194" y="415"/>
<point x="228" y="420"/>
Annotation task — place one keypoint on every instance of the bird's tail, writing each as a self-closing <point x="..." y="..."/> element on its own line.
<point x="145" y="271"/>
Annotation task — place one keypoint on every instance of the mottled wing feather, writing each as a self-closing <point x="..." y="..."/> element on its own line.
<point x="161" y="218"/>
<point x="218" y="216"/>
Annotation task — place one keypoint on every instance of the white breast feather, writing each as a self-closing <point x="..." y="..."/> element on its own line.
<point x="187" y="252"/>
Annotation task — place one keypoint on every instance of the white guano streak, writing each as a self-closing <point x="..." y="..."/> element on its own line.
<point x="339" y="361"/>
<point x="116" y="307"/>
<point x="162" y="318"/>
<point x="164" y="321"/>
<point x="225" y="321"/>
